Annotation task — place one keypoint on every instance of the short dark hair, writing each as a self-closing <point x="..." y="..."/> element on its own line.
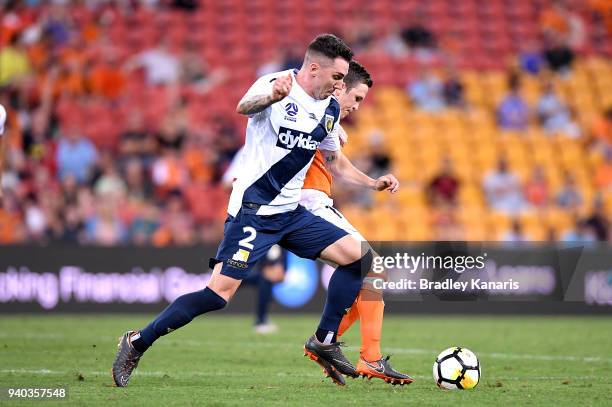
<point x="330" y="46"/>
<point x="357" y="74"/>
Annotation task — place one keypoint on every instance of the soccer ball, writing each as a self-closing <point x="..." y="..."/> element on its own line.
<point x="456" y="368"/>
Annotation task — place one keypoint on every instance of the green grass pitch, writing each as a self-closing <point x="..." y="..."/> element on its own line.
<point x="218" y="361"/>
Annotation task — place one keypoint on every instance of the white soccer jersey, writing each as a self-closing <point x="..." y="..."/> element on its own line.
<point x="280" y="144"/>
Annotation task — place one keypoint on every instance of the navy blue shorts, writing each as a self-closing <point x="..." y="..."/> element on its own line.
<point x="248" y="237"/>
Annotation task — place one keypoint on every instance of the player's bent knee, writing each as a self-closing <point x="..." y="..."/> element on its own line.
<point x="345" y="251"/>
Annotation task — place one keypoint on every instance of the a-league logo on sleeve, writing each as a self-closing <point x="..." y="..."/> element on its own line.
<point x="329" y="122"/>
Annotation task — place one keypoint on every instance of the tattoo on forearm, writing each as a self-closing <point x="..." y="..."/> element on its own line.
<point x="255" y="104"/>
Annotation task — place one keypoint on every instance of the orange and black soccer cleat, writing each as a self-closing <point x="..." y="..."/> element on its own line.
<point x="328" y="369"/>
<point x="329" y="355"/>
<point x="382" y="369"/>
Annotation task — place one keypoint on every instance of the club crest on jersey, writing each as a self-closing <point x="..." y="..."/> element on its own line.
<point x="329" y="122"/>
<point x="290" y="139"/>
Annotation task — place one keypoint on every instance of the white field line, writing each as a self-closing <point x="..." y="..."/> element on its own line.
<point x="500" y="355"/>
<point x="48" y="372"/>
<point x="410" y="351"/>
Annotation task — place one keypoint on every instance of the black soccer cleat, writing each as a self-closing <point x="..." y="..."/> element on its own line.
<point x="382" y="369"/>
<point x="126" y="360"/>
<point x="328" y="369"/>
<point x="331" y="354"/>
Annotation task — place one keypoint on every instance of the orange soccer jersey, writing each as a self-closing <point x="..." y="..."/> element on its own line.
<point x="318" y="177"/>
<point x="369" y="311"/>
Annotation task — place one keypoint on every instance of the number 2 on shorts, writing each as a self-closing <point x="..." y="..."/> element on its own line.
<point x="252" y="234"/>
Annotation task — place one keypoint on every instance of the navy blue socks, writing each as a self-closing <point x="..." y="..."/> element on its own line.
<point x="342" y="291"/>
<point x="264" y="296"/>
<point x="184" y="309"/>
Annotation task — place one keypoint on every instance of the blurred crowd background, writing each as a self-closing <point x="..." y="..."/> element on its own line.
<point x="496" y="116"/>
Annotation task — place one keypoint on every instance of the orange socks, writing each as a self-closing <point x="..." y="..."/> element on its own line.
<point x="349" y="318"/>
<point x="369" y="308"/>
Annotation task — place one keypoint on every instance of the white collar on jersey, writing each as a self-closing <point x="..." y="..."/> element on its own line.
<point x="301" y="90"/>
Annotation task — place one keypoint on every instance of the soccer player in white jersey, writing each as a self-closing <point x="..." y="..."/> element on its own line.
<point x="291" y="115"/>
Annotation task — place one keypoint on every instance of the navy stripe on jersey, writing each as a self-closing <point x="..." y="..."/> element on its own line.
<point x="269" y="185"/>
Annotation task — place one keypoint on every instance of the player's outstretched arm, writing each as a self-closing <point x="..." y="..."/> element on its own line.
<point x="253" y="104"/>
<point x="342" y="168"/>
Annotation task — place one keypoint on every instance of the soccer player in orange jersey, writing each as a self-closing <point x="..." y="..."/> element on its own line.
<point x="316" y="197"/>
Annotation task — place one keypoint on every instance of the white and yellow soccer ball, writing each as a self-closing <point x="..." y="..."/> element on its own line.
<point x="456" y="368"/>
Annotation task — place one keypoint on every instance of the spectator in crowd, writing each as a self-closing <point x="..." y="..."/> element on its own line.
<point x="169" y="172"/>
<point x="453" y="89"/>
<point x="274" y="62"/>
<point x="106" y="77"/>
<point x="513" y="112"/>
<point x="35" y="219"/>
<point x="558" y="55"/>
<point x="143" y="226"/>
<point x="108" y="181"/>
<point x="602" y="13"/>
<point x="105" y="227"/>
<point x="136" y="142"/>
<point x="76" y="155"/>
<point x="426" y="92"/>
<point x="200" y="158"/>
<point x="580" y="233"/>
<point x="564" y="25"/>
<point x="358" y="31"/>
<point x="569" y="196"/>
<point x="531" y="59"/>
<point x="162" y="66"/>
<point x="70" y="189"/>
<point x="564" y="33"/>
<point x="419" y="39"/>
<point x="138" y="184"/>
<point x="186" y="5"/>
<point x="536" y="188"/>
<point x="172" y="132"/>
<point x="58" y="25"/>
<point x="292" y="58"/>
<point x="14" y="62"/>
<point x="73" y="227"/>
<point x="226" y="144"/>
<point x="553" y="114"/>
<point x="443" y="188"/>
<point x="196" y="73"/>
<point x="502" y="189"/>
<point x="12" y="228"/>
<point x="378" y="155"/>
<point x="177" y="223"/>
<point x="37" y="135"/>
<point x="516" y="233"/>
<point x="598" y="220"/>
<point x="393" y="43"/>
